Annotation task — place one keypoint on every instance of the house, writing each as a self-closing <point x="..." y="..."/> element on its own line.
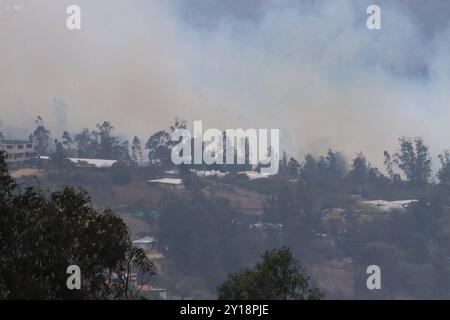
<point x="94" y="163"/>
<point x="18" y="151"/>
<point x="87" y="163"/>
<point x="170" y="181"/>
<point x="173" y="183"/>
<point x="253" y="175"/>
<point x="146" y="243"/>
<point x="209" y="173"/>
<point x="388" y="206"/>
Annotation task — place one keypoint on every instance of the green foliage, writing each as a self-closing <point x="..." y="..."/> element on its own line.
<point x="359" y="171"/>
<point x="293" y="167"/>
<point x="136" y="151"/>
<point x="278" y="276"/>
<point x="58" y="158"/>
<point x="414" y="160"/>
<point x="190" y="180"/>
<point x="109" y="146"/>
<point x="101" y="143"/>
<point x="41" y="236"/>
<point x="158" y="148"/>
<point x="207" y="238"/>
<point x="444" y="171"/>
<point x="41" y="137"/>
<point x="327" y="172"/>
<point x="106" y="144"/>
<point x="87" y="143"/>
<point x="201" y="237"/>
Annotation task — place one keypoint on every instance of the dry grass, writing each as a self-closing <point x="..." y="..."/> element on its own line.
<point x="334" y="278"/>
<point x="26" y="172"/>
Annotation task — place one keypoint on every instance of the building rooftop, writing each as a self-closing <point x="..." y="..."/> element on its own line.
<point x="171" y="181"/>
<point x="98" y="163"/>
<point x="145" y="240"/>
<point x="386" y="206"/>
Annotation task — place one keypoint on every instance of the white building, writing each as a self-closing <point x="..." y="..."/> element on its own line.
<point x="146" y="243"/>
<point x="387" y="206"/>
<point x="17" y="151"/>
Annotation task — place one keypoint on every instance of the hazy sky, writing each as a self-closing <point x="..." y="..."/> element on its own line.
<point x="310" y="68"/>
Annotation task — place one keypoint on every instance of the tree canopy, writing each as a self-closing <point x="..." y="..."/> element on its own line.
<point x="278" y="276"/>
<point x="40" y="236"/>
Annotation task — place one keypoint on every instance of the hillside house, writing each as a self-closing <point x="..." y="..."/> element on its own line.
<point x="18" y="151"/>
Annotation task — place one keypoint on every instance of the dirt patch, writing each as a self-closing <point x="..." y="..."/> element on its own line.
<point x="26" y="172"/>
<point x="245" y="200"/>
<point x="118" y="195"/>
<point x="334" y="278"/>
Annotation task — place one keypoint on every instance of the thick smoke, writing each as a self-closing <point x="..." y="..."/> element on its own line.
<point x="310" y="68"/>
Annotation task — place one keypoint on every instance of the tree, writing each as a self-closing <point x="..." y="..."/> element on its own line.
<point x="335" y="164"/>
<point x="58" y="158"/>
<point x="41" y="236"/>
<point x="2" y="137"/>
<point x="359" y="171"/>
<point x="309" y="171"/>
<point x="41" y="137"/>
<point x="327" y="172"/>
<point x="179" y="124"/>
<point x="68" y="144"/>
<point x="191" y="181"/>
<point x="444" y="172"/>
<point x="158" y="149"/>
<point x="200" y="235"/>
<point x="136" y="151"/>
<point x="281" y="205"/>
<point x="414" y="160"/>
<point x="67" y="140"/>
<point x="121" y="150"/>
<point x="159" y="144"/>
<point x="283" y="167"/>
<point x="293" y="167"/>
<point x="87" y="143"/>
<point x="291" y="207"/>
<point x="107" y="141"/>
<point x="278" y="276"/>
<point x="389" y="164"/>
<point x="7" y="183"/>
<point x="101" y="143"/>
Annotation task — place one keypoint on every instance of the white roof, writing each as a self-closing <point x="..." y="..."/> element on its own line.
<point x="267" y="225"/>
<point x="99" y="163"/>
<point x="389" y="205"/>
<point x="173" y="181"/>
<point x="208" y="173"/>
<point x="252" y="175"/>
<point x="145" y="240"/>
<point x="171" y="171"/>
